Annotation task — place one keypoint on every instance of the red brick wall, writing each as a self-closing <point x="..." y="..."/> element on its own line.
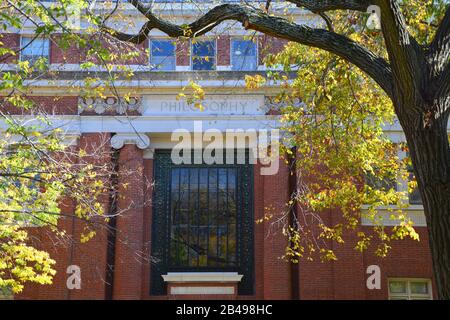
<point x="269" y="45"/>
<point x="12" y="41"/>
<point x="73" y="55"/>
<point x="407" y="259"/>
<point x="183" y="53"/>
<point x="91" y="256"/>
<point x="130" y="225"/>
<point x="117" y="49"/>
<point x="277" y="275"/>
<point x="346" y="278"/>
<point x="50" y="105"/>
<point x="59" y="53"/>
<point x="341" y="279"/>
<point x="223" y="51"/>
<point x="147" y="228"/>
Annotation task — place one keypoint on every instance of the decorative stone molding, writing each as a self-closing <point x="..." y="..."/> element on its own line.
<point x="149" y="153"/>
<point x="202" y="277"/>
<point x="142" y="141"/>
<point x="271" y="103"/>
<point x="113" y="104"/>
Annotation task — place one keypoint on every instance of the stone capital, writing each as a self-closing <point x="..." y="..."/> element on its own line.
<point x="142" y="141"/>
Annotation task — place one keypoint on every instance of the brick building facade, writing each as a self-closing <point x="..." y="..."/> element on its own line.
<point x="114" y="268"/>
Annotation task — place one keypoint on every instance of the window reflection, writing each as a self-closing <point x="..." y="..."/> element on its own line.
<point x="203" y="217"/>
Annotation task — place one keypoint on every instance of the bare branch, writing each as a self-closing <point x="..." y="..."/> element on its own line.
<point x="440" y="46"/>
<point x="255" y="19"/>
<point x="328" y="5"/>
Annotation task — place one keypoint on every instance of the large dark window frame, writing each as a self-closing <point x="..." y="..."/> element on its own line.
<point x="161" y="225"/>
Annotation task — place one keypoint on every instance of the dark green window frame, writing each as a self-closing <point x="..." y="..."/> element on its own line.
<point x="162" y="226"/>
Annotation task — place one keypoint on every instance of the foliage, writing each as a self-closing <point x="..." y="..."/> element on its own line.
<point x="37" y="168"/>
<point x="335" y="117"/>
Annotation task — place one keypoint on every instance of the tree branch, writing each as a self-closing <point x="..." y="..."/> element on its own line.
<point x="255" y="19"/>
<point x="440" y="46"/>
<point x="406" y="56"/>
<point x="443" y="82"/>
<point x="328" y="5"/>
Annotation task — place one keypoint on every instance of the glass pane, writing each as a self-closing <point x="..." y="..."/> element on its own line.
<point x="163" y="63"/>
<point x="378" y="183"/>
<point x="419" y="287"/>
<point x="415" y="197"/>
<point x="203" y="55"/>
<point x="203" y="63"/>
<point x="204" y="48"/>
<point x="244" y="63"/>
<point x="162" y="48"/>
<point x="244" y="48"/>
<point x="243" y="55"/>
<point x="33" y="48"/>
<point x="397" y="287"/>
<point x="163" y="55"/>
<point x="203" y="218"/>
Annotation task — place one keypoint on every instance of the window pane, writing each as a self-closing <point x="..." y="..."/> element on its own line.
<point x="397" y="287"/>
<point x="419" y="287"/>
<point x="34" y="49"/>
<point x="378" y="183"/>
<point x="244" y="47"/>
<point x="414" y="196"/>
<point x="203" y="220"/>
<point x="204" y="55"/>
<point x="243" y="55"/>
<point x="163" y="54"/>
<point x="204" y="48"/>
<point x="163" y="63"/>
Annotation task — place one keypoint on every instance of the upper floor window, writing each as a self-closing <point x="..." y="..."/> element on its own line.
<point x="34" y="49"/>
<point x="243" y="55"/>
<point x="162" y="55"/>
<point x="410" y="289"/>
<point x="204" y="55"/>
<point x="414" y="195"/>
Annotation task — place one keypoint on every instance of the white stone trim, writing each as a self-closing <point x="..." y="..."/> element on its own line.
<point x="383" y="217"/>
<point x="142" y="141"/>
<point x="149" y="153"/>
<point x="119" y="105"/>
<point x="202" y="277"/>
<point x="182" y="68"/>
<point x="201" y="290"/>
<point x="223" y="68"/>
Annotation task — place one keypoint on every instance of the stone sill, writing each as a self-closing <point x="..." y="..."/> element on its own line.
<point x="202" y="277"/>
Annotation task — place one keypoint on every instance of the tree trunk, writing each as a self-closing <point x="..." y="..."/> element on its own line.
<point x="428" y="144"/>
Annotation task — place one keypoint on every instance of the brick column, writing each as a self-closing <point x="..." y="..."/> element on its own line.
<point x="277" y="272"/>
<point x="129" y="235"/>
